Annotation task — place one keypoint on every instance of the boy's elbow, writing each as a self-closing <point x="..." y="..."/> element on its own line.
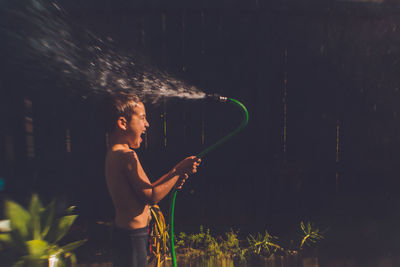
<point x="151" y="198"/>
<point x="154" y="198"/>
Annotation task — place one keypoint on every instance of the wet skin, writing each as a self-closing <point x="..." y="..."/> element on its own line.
<point x="130" y="189"/>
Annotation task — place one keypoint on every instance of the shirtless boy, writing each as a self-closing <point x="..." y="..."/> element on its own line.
<point x="130" y="189"/>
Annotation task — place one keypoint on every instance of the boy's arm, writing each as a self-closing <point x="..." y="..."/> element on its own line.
<point x="152" y="193"/>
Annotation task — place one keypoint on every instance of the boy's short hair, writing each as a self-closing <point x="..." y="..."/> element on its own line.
<point x="119" y="104"/>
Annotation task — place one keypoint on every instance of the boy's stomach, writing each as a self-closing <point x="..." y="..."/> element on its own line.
<point x="133" y="218"/>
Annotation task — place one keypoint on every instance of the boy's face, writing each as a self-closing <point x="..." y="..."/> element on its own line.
<point x="137" y="126"/>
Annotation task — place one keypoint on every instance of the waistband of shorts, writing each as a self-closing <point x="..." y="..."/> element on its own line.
<point x="136" y="231"/>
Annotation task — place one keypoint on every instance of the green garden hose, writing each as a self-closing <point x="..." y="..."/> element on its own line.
<point x="201" y="155"/>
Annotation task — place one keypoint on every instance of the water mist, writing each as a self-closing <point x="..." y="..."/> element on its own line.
<point x="58" y="46"/>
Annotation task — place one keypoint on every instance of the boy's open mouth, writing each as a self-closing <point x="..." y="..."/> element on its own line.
<point x="142" y="135"/>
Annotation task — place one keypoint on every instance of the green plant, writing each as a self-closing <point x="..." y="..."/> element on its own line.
<point x="311" y="234"/>
<point x="199" y="244"/>
<point x="263" y="245"/>
<point x="230" y="246"/>
<point x="203" y="244"/>
<point x="35" y="233"/>
<point x="200" y="240"/>
<point x="181" y="240"/>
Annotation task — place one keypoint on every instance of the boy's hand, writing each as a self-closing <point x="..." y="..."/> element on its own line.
<point x="185" y="168"/>
<point x="181" y="181"/>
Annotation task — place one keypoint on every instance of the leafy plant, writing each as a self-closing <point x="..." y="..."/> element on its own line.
<point x="34" y="235"/>
<point x="263" y="245"/>
<point x="199" y="244"/>
<point x="231" y="245"/>
<point x="203" y="244"/>
<point x="204" y="241"/>
<point x="311" y="234"/>
<point x="181" y="240"/>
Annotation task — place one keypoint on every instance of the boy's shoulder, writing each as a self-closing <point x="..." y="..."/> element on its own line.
<point x="122" y="153"/>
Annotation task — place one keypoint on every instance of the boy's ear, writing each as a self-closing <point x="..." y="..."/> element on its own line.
<point x="122" y="123"/>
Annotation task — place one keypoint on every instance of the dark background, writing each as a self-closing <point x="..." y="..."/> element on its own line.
<point x="320" y="80"/>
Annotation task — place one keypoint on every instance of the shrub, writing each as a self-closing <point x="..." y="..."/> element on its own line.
<point x="34" y="235"/>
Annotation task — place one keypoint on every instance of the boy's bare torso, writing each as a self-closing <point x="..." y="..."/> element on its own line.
<point x="130" y="211"/>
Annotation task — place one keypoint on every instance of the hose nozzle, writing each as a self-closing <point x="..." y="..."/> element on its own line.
<point x="217" y="97"/>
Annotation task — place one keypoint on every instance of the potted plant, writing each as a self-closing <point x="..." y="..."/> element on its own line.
<point x="34" y="234"/>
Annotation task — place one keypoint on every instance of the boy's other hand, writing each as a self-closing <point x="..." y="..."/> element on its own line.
<point x="181" y="181"/>
<point x="187" y="166"/>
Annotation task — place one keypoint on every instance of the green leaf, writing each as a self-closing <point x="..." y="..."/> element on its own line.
<point x="35" y="208"/>
<point x="303" y="228"/>
<point x="47" y="217"/>
<point x="35" y="204"/>
<point x="19" y="218"/>
<point x="70" y="210"/>
<point x="5" y="238"/>
<point x="72" y="246"/>
<point x="37" y="248"/>
<point x="20" y="263"/>
<point x="33" y="261"/>
<point x="60" y="228"/>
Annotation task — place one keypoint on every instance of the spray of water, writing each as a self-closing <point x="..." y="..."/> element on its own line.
<point x="49" y="37"/>
<point x="110" y="71"/>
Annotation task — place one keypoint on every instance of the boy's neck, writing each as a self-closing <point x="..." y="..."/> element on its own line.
<point x="117" y="141"/>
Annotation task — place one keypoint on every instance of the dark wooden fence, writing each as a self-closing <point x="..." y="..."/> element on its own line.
<point x="321" y="84"/>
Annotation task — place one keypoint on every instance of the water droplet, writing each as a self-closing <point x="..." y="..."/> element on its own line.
<point x="56" y="6"/>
